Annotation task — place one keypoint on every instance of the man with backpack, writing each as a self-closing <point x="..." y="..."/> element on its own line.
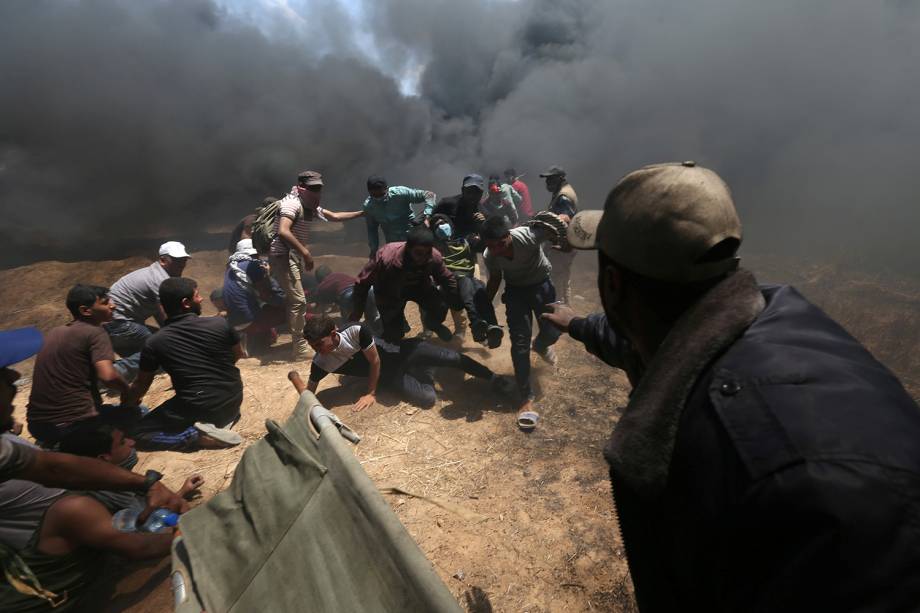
<point x="282" y="229"/>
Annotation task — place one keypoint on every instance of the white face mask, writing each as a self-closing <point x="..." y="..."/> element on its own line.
<point x="444" y="231"/>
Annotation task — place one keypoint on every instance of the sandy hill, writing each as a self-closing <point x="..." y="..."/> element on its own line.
<point x="546" y="539"/>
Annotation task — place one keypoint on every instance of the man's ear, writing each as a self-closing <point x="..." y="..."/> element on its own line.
<point x="186" y="304"/>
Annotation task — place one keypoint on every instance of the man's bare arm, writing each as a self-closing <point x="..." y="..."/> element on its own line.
<point x="373" y="359"/>
<point x="136" y="391"/>
<point x="495" y="282"/>
<point x="284" y="231"/>
<point x="108" y="376"/>
<point x="343" y="216"/>
<point x="79" y="473"/>
<point x="82" y="521"/>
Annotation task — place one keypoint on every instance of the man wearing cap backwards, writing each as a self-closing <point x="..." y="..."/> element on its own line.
<point x="563" y="202"/>
<point x="136" y="297"/>
<point x="766" y="461"/>
<point x="289" y="256"/>
<point x="390" y="209"/>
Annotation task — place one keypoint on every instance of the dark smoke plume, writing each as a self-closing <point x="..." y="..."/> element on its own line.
<point x="123" y="118"/>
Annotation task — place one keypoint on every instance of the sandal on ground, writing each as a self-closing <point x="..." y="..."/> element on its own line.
<point x="527" y="420"/>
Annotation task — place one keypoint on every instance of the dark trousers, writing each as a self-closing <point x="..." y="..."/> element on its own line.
<point x="521" y="305"/>
<point x="473" y="298"/>
<point x="412" y="376"/>
<point x="50" y="436"/>
<point x="171" y="426"/>
<point x="430" y="302"/>
<point x="346" y="304"/>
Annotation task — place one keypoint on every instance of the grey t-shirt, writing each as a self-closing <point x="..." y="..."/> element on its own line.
<point x="22" y="503"/>
<point x="529" y="265"/>
<point x="137" y="294"/>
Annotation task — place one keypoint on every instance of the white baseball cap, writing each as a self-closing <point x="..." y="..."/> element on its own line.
<point x="174" y="249"/>
<point x="246" y="247"/>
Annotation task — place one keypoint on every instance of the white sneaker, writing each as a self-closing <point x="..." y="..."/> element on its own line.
<point x="220" y="434"/>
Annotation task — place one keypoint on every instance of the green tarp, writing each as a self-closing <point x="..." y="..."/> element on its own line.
<point x="302" y="528"/>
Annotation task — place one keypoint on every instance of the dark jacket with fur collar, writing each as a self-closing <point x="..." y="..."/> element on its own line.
<point x="767" y="462"/>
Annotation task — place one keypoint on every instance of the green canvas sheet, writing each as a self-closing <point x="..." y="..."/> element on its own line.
<point x="302" y="528"/>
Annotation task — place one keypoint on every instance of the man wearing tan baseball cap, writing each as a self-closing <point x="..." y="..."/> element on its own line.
<point x="765" y="461"/>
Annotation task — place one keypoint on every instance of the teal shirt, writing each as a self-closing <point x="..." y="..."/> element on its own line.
<point x="393" y="213"/>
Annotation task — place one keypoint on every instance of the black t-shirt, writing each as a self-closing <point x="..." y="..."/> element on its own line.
<point x="197" y="352"/>
<point x="348" y="358"/>
<point x="460" y="213"/>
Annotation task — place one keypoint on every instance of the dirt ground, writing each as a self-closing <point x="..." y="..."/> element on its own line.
<point x="544" y="535"/>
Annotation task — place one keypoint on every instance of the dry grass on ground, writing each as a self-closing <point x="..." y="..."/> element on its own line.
<point x="540" y="534"/>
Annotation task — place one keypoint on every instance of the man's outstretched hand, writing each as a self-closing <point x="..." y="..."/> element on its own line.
<point x="560" y="316"/>
<point x="364" y="402"/>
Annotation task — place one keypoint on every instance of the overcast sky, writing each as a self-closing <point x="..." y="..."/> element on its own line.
<point x="136" y="119"/>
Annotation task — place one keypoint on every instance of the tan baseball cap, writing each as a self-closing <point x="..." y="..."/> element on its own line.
<point x="662" y="222"/>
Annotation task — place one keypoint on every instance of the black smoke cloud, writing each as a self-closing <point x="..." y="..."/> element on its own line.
<point x="155" y="117"/>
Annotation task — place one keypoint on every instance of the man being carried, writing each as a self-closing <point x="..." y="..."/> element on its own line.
<point x="390" y="209"/>
<point x="402" y="272"/>
<point x="406" y="368"/>
<point x="136" y="299"/>
<point x="525" y="206"/>
<point x="564" y="203"/>
<point x="73" y="361"/>
<point x="338" y="288"/>
<point x="516" y="257"/>
<point x="459" y="255"/>
<point x="199" y="354"/>
<point x="463" y="209"/>
<point x="290" y="259"/>
<point x="255" y="305"/>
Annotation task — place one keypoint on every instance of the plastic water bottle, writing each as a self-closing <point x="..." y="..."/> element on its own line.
<point x="160" y="520"/>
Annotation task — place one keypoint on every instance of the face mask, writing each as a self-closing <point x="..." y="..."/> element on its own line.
<point x="308" y="198"/>
<point x="444" y="231"/>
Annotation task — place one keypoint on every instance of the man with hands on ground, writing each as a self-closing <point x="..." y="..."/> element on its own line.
<point x="406" y="367"/>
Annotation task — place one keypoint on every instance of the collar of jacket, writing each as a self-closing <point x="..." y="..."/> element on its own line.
<point x="639" y="450"/>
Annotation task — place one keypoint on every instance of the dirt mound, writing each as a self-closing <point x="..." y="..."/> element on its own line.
<point x="541" y="533"/>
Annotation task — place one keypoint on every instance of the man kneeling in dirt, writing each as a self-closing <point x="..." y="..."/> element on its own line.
<point x="766" y="461"/>
<point x="199" y="354"/>
<point x="406" y="368"/>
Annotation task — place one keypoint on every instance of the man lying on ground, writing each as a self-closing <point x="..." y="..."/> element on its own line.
<point x="136" y="300"/>
<point x="406" y="368"/>
<point x="402" y="272"/>
<point x="75" y="358"/>
<point x="254" y="301"/>
<point x="98" y="439"/>
<point x="338" y="288"/>
<point x="460" y="259"/>
<point x="199" y="354"/>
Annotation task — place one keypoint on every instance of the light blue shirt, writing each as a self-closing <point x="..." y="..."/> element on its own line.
<point x="393" y="213"/>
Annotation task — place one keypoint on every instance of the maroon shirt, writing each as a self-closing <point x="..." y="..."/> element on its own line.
<point x="391" y="275"/>
<point x="331" y="288"/>
<point x="64" y="386"/>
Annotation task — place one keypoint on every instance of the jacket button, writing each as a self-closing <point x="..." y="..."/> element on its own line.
<point x="730" y="388"/>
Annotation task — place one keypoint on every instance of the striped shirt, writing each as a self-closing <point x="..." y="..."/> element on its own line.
<point x="291" y="207"/>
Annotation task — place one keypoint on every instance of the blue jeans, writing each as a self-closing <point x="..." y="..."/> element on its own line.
<point x="521" y="305"/>
<point x="128" y="339"/>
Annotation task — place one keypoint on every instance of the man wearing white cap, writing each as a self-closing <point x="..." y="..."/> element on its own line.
<point x="765" y="461"/>
<point x="254" y="301"/>
<point x="137" y="298"/>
